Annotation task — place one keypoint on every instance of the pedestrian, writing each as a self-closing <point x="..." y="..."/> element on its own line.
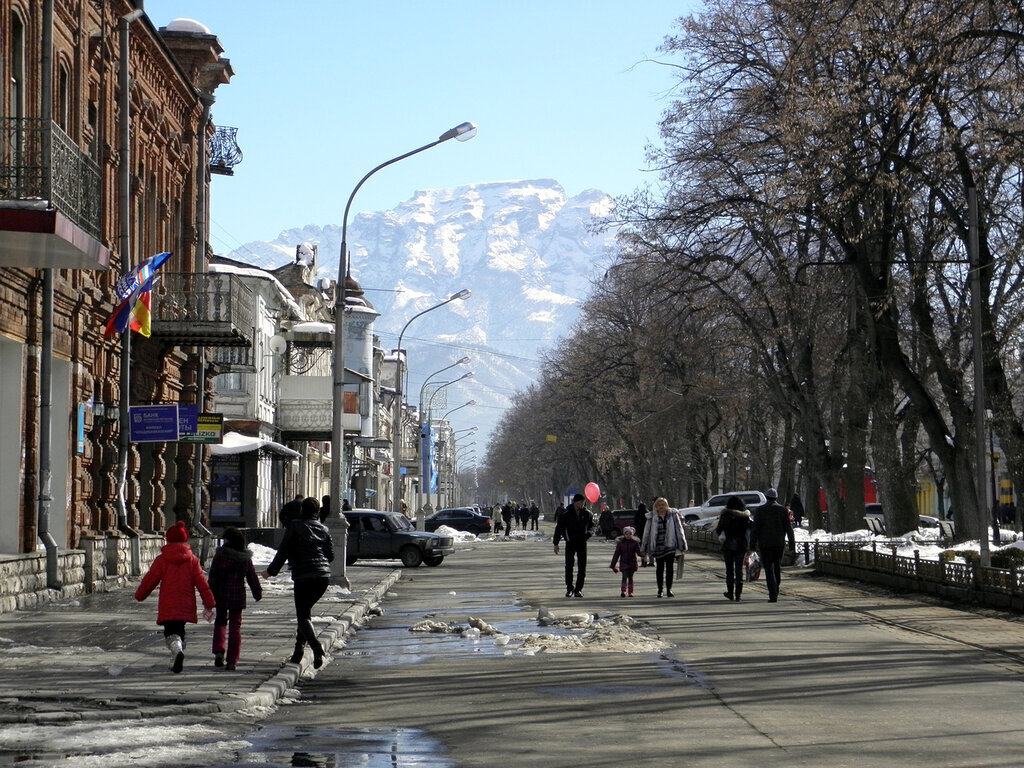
<point x="290" y="511"/>
<point x="309" y="550"/>
<point x="559" y="511"/>
<point x="506" y="516"/>
<point x="606" y="522"/>
<point x="797" y="508"/>
<point x="534" y="517"/>
<point x="230" y="571"/>
<point x="325" y="508"/>
<point x="733" y="531"/>
<point x="496" y="518"/>
<point x="768" y="535"/>
<point x="640" y="519"/>
<point x="576" y="526"/>
<point x="346" y="505"/>
<point x="663" y="540"/>
<point x="626" y="557"/>
<point x="179" y="575"/>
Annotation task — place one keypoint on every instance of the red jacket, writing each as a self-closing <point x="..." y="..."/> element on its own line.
<point x="179" y="575"/>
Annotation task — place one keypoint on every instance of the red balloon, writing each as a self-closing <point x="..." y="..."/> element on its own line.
<point x="592" y="492"/>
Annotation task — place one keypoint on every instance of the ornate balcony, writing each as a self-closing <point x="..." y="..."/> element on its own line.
<point x="50" y="199"/>
<point x="224" y="151"/>
<point x="191" y="308"/>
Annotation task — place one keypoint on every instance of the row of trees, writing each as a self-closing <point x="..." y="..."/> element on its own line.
<point x="798" y="287"/>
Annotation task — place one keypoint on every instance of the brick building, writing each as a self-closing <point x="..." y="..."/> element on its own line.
<point x="94" y="178"/>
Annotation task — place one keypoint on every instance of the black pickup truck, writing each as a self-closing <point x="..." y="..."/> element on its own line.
<point x="376" y="535"/>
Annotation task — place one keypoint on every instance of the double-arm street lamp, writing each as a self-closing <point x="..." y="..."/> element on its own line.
<point x="453" y="410"/>
<point x="396" y="414"/>
<point x="461" y="132"/>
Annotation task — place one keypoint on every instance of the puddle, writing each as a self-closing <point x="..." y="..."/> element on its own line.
<point x="343" y="748"/>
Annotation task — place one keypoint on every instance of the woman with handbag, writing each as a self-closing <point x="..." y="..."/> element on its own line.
<point x="663" y="538"/>
<point x="733" y="531"/>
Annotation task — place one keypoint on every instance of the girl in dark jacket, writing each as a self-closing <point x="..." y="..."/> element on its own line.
<point x="626" y="557"/>
<point x="230" y="570"/>
<point x="309" y="550"/>
<point x="733" y="531"/>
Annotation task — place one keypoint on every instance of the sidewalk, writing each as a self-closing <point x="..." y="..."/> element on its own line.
<point x="102" y="657"/>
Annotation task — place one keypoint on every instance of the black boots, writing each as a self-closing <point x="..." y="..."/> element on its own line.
<point x="297" y="653"/>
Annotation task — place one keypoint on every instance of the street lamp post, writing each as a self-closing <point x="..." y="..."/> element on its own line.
<point x="461" y="132"/>
<point x="396" y="414"/>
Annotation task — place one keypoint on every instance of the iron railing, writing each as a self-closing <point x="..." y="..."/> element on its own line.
<point x="224" y="151"/>
<point x="39" y="163"/>
<point x="203" y="308"/>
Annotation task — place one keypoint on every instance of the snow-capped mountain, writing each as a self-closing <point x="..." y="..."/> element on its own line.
<point x="525" y="249"/>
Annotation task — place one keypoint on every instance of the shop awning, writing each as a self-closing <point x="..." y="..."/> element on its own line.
<point x="235" y="443"/>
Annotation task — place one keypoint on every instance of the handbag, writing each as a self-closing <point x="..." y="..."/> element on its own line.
<point x="752" y="566"/>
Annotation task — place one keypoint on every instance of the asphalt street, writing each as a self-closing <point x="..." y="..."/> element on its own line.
<point x="834" y="674"/>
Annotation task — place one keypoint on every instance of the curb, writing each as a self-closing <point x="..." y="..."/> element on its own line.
<point x="266" y="694"/>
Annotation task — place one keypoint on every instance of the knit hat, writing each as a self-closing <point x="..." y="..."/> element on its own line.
<point x="771" y="493"/>
<point x="578" y="497"/>
<point x="629" y="530"/>
<point x="177" y="532"/>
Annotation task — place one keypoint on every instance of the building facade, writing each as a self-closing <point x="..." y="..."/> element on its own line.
<point x="105" y="159"/>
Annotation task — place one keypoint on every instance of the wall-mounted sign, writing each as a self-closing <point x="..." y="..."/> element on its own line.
<point x="153" y="423"/>
<point x="209" y="429"/>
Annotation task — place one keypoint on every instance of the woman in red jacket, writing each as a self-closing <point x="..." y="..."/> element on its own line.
<point x="178" y="573"/>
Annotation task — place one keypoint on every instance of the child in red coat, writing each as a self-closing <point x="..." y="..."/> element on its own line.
<point x="179" y="575"/>
<point x="230" y="571"/>
<point x="627" y="548"/>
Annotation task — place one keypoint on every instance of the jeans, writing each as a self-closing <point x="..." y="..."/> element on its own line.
<point x="579" y="552"/>
<point x="771" y="564"/>
<point x="665" y="566"/>
<point x="734" y="571"/>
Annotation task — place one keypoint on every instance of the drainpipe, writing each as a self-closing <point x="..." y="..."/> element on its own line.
<point x="46" y="352"/>
<point x="124" y="215"/>
<point x="207" y="101"/>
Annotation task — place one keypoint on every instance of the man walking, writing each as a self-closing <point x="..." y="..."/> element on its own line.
<point x="575" y="525"/>
<point x="768" y="535"/>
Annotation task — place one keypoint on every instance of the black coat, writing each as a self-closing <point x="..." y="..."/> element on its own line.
<point x="734" y="524"/>
<point x="575" y="527"/>
<point x="771" y="527"/>
<point x="308" y="548"/>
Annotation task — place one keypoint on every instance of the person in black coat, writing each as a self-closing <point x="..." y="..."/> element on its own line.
<point x="797" y="508"/>
<point x="575" y="525"/>
<point x="640" y="519"/>
<point x="309" y="550"/>
<point x="768" y="534"/>
<point x="733" y="531"/>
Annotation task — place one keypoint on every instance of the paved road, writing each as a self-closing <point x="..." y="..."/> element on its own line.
<point x="832" y="675"/>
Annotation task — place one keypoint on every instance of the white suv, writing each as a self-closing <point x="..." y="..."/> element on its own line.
<point x="713" y="507"/>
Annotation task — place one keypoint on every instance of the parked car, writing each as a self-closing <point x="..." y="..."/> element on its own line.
<point x="459" y="518"/>
<point x="620" y="519"/>
<point x="376" y="535"/>
<point x="713" y="507"/>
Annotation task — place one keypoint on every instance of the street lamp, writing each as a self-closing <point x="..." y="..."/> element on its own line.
<point x="423" y="388"/>
<point x="396" y="415"/>
<point x="453" y="410"/>
<point x="461" y="132"/>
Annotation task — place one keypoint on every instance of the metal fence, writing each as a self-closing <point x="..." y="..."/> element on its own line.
<point x="40" y="163"/>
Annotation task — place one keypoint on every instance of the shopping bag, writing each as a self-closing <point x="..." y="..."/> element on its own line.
<point x="752" y="566"/>
<point x="679" y="565"/>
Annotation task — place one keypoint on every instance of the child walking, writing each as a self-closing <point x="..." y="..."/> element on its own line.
<point x="627" y="548"/>
<point x="231" y="569"/>
<point x="178" y="573"/>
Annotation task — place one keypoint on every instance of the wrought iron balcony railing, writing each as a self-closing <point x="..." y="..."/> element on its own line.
<point x="40" y="164"/>
<point x="224" y="151"/>
<point x="216" y="309"/>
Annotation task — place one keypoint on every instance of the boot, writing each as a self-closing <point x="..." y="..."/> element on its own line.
<point x="177" y="648"/>
<point x="739" y="591"/>
<point x="300" y="648"/>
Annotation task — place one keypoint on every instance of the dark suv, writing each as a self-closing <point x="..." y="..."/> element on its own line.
<point x="375" y="535"/>
<point x="459" y="518"/>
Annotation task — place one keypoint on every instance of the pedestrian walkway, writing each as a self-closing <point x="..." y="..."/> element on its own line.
<point x="102" y="657"/>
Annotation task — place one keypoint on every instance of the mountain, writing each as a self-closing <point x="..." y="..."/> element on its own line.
<point x="525" y="249"/>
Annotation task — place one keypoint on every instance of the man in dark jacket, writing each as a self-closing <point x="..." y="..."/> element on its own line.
<point x="575" y="525"/>
<point x="769" y="533"/>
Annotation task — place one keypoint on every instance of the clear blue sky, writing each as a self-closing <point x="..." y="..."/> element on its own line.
<point x="327" y="89"/>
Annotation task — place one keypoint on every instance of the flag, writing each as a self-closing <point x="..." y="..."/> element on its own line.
<point x="140" y="315"/>
<point x="131" y="282"/>
<point x="133" y="312"/>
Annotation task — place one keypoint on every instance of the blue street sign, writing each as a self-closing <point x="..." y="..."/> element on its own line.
<point x="153" y="423"/>
<point x="188" y="419"/>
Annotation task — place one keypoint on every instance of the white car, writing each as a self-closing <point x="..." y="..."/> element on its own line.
<point x="713" y="507"/>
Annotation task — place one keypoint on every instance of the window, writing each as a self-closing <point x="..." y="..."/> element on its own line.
<point x="16" y="73"/>
<point x="62" y="109"/>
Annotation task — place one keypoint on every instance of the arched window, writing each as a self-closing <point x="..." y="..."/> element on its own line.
<point x="16" y="68"/>
<point x="62" y="109"/>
